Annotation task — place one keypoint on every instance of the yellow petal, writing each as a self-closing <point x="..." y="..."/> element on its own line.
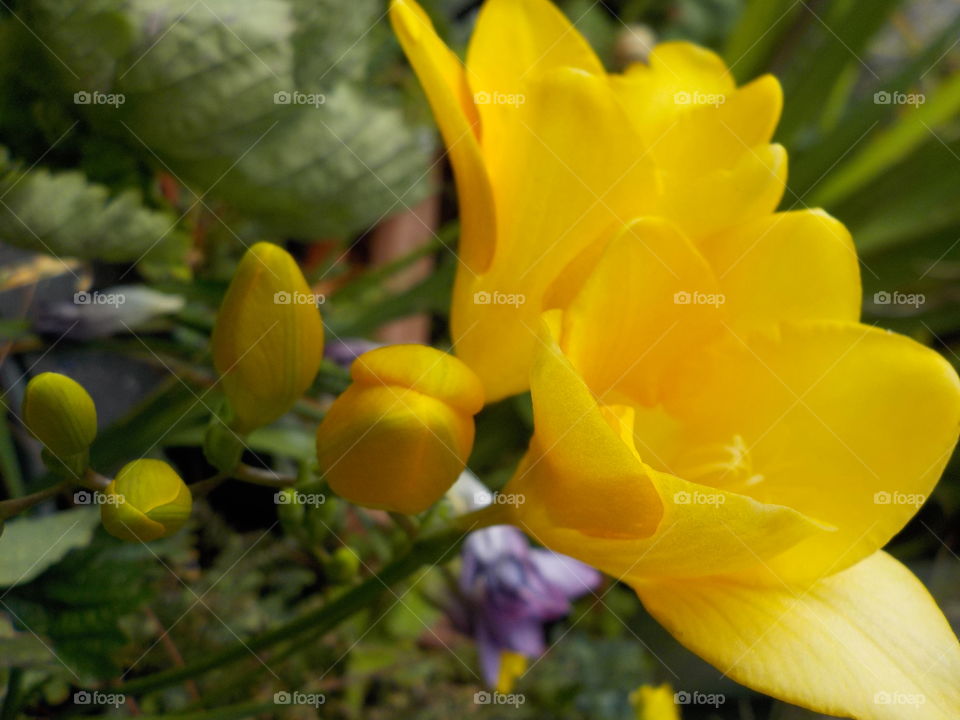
<point x="514" y="41"/>
<point x="424" y="369"/>
<point x="705" y="204"/>
<point x="846" y="423"/>
<point x="788" y="266"/>
<point x="444" y="81"/>
<point x="868" y="643"/>
<point x="587" y="494"/>
<point x="707" y="137"/>
<point x="556" y="195"/>
<point x="651" y="298"/>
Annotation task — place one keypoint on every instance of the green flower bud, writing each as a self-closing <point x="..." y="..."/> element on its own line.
<point x="146" y="501"/>
<point x="61" y="414"/>
<point x="342" y="566"/>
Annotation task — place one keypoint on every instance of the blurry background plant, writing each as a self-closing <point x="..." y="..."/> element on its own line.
<point x="147" y="143"/>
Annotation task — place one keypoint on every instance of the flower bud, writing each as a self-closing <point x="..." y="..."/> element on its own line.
<point x="61" y="414"/>
<point x="146" y="501"/>
<point x="402" y="432"/>
<point x="268" y="338"/>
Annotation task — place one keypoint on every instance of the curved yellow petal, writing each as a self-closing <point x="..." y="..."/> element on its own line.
<point x="556" y="195"/>
<point x="513" y="42"/>
<point x="788" y="266"/>
<point x="705" y="204"/>
<point x="843" y="422"/>
<point x="586" y="493"/>
<point x="579" y="467"/>
<point x="650" y="298"/>
<point x="868" y="643"/>
<point x="708" y="138"/>
<point x="444" y="81"/>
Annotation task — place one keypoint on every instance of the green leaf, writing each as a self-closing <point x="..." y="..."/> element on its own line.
<point x="754" y="38"/>
<point x="65" y="215"/>
<point x="810" y="165"/>
<point x="877" y="155"/>
<point x="838" y="34"/>
<point x="204" y="85"/>
<point x="79" y="603"/>
<point x="29" y="545"/>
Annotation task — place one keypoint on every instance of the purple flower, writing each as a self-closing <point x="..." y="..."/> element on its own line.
<point x="510" y="590"/>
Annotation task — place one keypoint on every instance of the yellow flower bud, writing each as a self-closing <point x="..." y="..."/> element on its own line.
<point x="401" y="434"/>
<point x="146" y="501"/>
<point x="60" y="413"/>
<point x="656" y="702"/>
<point x="268" y="339"/>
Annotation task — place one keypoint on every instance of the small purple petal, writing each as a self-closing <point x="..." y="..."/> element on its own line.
<point x="568" y="576"/>
<point x="489" y="651"/>
<point x="526" y="638"/>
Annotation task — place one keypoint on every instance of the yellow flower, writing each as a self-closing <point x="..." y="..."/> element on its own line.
<point x="549" y="152"/>
<point x="61" y="414"/>
<point x="713" y="426"/>
<point x="401" y="434"/>
<point x="268" y="339"/>
<point x="655" y="703"/>
<point x="146" y="501"/>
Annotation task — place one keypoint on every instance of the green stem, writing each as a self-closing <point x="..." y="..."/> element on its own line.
<point x="267" y="478"/>
<point x="9" y="508"/>
<point x="429" y="550"/>
<point x="11" y="700"/>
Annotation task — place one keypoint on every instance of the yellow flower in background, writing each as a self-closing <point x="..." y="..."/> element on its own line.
<point x="715" y="427"/>
<point x="655" y="703"/>
<point x="400" y="435"/>
<point x="60" y="413"/>
<point x="146" y="501"/>
<point x="551" y="153"/>
<point x="268" y="338"/>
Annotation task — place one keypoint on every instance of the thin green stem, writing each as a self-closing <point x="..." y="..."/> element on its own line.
<point x="267" y="478"/>
<point x="9" y="508"/>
